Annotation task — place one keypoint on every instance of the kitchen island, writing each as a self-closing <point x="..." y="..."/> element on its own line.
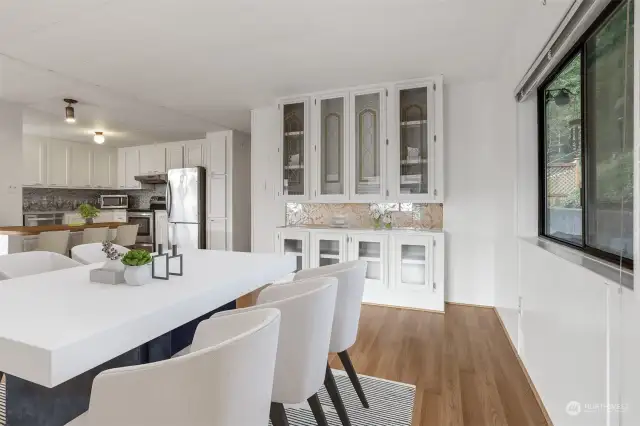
<point x="16" y="239"/>
<point x="58" y="330"/>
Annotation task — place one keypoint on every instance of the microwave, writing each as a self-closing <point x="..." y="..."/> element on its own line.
<point x="114" y="201"/>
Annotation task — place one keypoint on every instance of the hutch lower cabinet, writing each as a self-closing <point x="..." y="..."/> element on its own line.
<point x="404" y="267"/>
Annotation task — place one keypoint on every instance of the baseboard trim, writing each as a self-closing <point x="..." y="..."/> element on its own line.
<point x="380" y="305"/>
<point x="524" y="369"/>
<point x="470" y="305"/>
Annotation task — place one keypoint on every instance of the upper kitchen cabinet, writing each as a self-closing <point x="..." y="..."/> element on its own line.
<point x="330" y="147"/>
<point x="368" y="145"/>
<point x="293" y="149"/>
<point x="218" y="157"/>
<point x="104" y="168"/>
<point x="58" y="163"/>
<point x="34" y="158"/>
<point x="152" y="159"/>
<point x="174" y="153"/>
<point x="81" y="158"/>
<point x="416" y="155"/>
<point x="128" y="168"/>
<point x="195" y="153"/>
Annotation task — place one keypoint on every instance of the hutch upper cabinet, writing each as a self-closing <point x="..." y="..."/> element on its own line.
<point x="416" y="159"/>
<point x="330" y="147"/>
<point x="368" y="145"/>
<point x="293" y="149"/>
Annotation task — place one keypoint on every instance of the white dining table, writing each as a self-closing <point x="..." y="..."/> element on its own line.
<point x="58" y="325"/>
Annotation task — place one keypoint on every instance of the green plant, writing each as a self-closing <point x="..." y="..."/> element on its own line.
<point x="136" y="258"/>
<point x="87" y="211"/>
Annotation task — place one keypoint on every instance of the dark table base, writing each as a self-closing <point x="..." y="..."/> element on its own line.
<point x="29" y="404"/>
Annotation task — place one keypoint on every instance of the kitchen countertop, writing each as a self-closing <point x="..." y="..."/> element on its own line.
<point x="66" y="211"/>
<point x="359" y="228"/>
<point x="35" y="230"/>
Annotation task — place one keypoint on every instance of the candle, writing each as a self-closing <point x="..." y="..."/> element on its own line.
<point x="174" y="250"/>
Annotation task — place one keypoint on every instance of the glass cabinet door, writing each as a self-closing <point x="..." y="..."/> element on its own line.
<point x="415" y="139"/>
<point x="372" y="249"/>
<point x="412" y="263"/>
<point x="293" y="149"/>
<point x="330" y="112"/>
<point x="295" y="244"/>
<point x="328" y="249"/>
<point x="368" y="139"/>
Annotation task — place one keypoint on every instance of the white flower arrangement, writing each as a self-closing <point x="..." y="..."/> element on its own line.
<point x="386" y="219"/>
<point x="375" y="212"/>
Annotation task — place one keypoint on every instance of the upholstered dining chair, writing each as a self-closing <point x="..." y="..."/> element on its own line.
<point x="226" y="380"/>
<point x="126" y="235"/>
<point x="303" y="346"/>
<point x="95" y="235"/>
<point x="351" y="279"/>
<point x="54" y="241"/>
<point x="33" y="262"/>
<point x="92" y="253"/>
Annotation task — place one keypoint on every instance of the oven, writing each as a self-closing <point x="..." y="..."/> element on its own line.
<point x="114" y="201"/>
<point x="146" y="227"/>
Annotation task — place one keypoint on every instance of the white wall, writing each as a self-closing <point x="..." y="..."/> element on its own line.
<point x="10" y="164"/>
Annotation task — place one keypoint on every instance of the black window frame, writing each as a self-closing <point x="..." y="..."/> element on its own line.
<point x="580" y="48"/>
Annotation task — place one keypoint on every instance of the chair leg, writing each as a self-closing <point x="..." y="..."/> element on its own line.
<point x="334" y="394"/>
<point x="318" y="412"/>
<point x="353" y="376"/>
<point x="277" y="415"/>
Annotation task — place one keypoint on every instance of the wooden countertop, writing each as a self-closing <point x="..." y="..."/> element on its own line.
<point x="35" y="230"/>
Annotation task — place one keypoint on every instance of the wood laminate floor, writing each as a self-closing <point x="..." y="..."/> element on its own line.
<point x="462" y="364"/>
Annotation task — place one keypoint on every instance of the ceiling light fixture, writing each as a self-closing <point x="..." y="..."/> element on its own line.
<point x="70" y="113"/>
<point x="98" y="137"/>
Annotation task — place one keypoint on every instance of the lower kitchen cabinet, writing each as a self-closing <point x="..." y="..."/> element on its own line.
<point x="294" y="243"/>
<point x="404" y="268"/>
<point x="217" y="234"/>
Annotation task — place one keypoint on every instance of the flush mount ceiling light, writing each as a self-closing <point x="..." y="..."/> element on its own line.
<point x="70" y="113"/>
<point x="98" y="137"/>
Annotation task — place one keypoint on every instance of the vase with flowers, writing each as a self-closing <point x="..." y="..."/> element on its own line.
<point x="387" y="219"/>
<point x="376" y="216"/>
<point x="113" y="262"/>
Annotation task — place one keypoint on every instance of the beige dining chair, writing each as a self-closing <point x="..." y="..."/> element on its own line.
<point x="95" y="235"/>
<point x="126" y="235"/>
<point x="54" y="241"/>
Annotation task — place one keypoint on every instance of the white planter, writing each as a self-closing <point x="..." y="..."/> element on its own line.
<point x="113" y="265"/>
<point x="137" y="275"/>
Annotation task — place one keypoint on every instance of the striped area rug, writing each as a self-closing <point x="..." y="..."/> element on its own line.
<point x="391" y="404"/>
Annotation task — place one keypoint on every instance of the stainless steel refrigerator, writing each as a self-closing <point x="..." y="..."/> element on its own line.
<point x="186" y="207"/>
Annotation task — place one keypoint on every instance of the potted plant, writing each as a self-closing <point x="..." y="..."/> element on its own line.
<point x="113" y="262"/>
<point x="137" y="269"/>
<point x="88" y="212"/>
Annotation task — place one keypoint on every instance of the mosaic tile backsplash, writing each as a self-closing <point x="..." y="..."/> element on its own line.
<point x="60" y="199"/>
<point x="413" y="215"/>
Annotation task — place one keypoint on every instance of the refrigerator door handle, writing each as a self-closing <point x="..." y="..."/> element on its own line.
<point x="169" y="201"/>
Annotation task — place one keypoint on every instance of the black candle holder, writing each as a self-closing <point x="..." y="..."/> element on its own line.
<point x="153" y="264"/>
<point x="174" y="255"/>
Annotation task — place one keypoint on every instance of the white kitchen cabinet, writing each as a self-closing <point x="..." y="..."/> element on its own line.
<point x="34" y="162"/>
<point x="81" y="158"/>
<point x="58" y="163"/>
<point x="162" y="229"/>
<point x="293" y="149"/>
<point x="120" y="216"/>
<point x="217" y="234"/>
<point x="217" y="198"/>
<point x="416" y="158"/>
<point x="294" y="243"/>
<point x="368" y="145"/>
<point x="104" y="168"/>
<point x="174" y="153"/>
<point x="152" y="159"/>
<point x="70" y="218"/>
<point x="330" y="147"/>
<point x="195" y="153"/>
<point x="372" y="248"/>
<point x="218" y="155"/>
<point x="30" y="243"/>
<point x="327" y="248"/>
<point x="104" y="216"/>
<point x="128" y="168"/>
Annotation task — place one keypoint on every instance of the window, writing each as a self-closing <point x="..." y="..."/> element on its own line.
<point x="586" y="140"/>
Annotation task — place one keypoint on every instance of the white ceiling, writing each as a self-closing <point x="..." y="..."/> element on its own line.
<point x="150" y="70"/>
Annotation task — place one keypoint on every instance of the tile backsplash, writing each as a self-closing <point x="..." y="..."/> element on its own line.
<point x="60" y="199"/>
<point x="414" y="215"/>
